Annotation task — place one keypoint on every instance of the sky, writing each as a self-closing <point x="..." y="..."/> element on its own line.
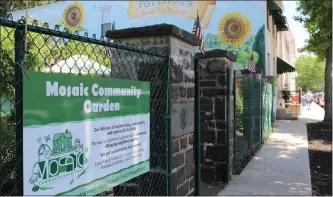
<point x="299" y="32"/>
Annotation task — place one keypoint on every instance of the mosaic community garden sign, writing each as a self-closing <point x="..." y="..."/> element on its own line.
<point x="83" y="135"/>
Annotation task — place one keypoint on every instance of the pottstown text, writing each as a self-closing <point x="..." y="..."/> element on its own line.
<point x="55" y="90"/>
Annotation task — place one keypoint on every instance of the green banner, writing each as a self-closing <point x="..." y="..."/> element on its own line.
<point x="62" y="98"/>
<point x="83" y="135"/>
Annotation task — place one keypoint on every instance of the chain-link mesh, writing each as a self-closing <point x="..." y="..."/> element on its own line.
<point x="56" y="51"/>
<point x="267" y="102"/>
<point x="248" y="120"/>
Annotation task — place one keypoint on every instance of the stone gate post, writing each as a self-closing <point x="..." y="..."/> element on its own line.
<point x="180" y="45"/>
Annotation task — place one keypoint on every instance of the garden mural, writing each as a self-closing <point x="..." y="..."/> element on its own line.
<point x="236" y="26"/>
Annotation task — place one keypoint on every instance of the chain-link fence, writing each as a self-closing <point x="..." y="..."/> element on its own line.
<point x="267" y="102"/>
<point x="57" y="51"/>
<point x="248" y="119"/>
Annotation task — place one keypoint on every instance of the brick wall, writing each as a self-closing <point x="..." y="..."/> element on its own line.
<point x="182" y="166"/>
<point x="181" y="50"/>
<point x="153" y="183"/>
<point x="217" y="117"/>
<point x="182" y="122"/>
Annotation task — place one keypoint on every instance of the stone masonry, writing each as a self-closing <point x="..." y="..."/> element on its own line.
<point x="217" y="116"/>
<point x="167" y="39"/>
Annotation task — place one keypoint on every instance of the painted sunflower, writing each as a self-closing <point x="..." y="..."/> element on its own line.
<point x="73" y="15"/>
<point x="234" y="28"/>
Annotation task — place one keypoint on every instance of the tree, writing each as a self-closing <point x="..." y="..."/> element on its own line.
<point x="41" y="48"/>
<point x="310" y="73"/>
<point x="259" y="46"/>
<point x="7" y="6"/>
<point x="317" y="19"/>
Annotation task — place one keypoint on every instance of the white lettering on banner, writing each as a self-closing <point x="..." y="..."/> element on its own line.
<point x="53" y="89"/>
<point x="82" y="157"/>
<point x="101" y="91"/>
<point x="89" y="107"/>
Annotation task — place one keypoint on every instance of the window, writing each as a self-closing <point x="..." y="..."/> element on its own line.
<point x="268" y="21"/>
<point x="106" y="21"/>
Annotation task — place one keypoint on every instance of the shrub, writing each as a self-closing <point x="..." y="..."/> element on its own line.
<point x="8" y="160"/>
<point x="239" y="110"/>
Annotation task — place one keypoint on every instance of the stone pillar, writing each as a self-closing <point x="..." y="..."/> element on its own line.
<point x="180" y="45"/>
<point x="217" y="115"/>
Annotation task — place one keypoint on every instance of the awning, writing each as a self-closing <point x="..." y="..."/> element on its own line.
<point x="284" y="67"/>
<point x="281" y="27"/>
<point x="272" y="5"/>
<point x="276" y="11"/>
<point x="279" y="20"/>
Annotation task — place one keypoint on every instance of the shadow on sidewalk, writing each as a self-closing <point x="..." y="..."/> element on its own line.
<point x="281" y="167"/>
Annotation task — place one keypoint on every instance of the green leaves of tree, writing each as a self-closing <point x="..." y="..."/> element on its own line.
<point x="14" y="5"/>
<point x="243" y="57"/>
<point x="311" y="72"/>
<point x="41" y="50"/>
<point x="243" y="52"/>
<point x="317" y="19"/>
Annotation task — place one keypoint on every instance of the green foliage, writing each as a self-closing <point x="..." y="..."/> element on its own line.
<point x="8" y="160"/>
<point x="286" y="95"/>
<point x="212" y="41"/>
<point x="239" y="110"/>
<point x="317" y="19"/>
<point x="259" y="46"/>
<point x="243" y="57"/>
<point x="14" y="5"/>
<point x="243" y="52"/>
<point x="310" y="73"/>
<point x="41" y="49"/>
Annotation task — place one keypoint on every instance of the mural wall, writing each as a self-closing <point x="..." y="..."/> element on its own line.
<point x="237" y="26"/>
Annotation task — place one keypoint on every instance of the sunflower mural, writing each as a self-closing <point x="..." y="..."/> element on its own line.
<point x="73" y="17"/>
<point x="235" y="34"/>
<point x="235" y="31"/>
<point x="234" y="28"/>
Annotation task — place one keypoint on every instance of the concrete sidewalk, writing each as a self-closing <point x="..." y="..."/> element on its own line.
<point x="281" y="167"/>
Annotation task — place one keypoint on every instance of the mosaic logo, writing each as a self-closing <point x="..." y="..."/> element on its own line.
<point x="64" y="161"/>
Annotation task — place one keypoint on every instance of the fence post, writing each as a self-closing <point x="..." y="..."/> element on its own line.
<point x="261" y="113"/>
<point x="168" y="129"/>
<point x="197" y="128"/>
<point x="19" y="61"/>
<point x="235" y="125"/>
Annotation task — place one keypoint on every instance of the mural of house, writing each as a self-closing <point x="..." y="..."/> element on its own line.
<point x="62" y="142"/>
<point x="244" y="27"/>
